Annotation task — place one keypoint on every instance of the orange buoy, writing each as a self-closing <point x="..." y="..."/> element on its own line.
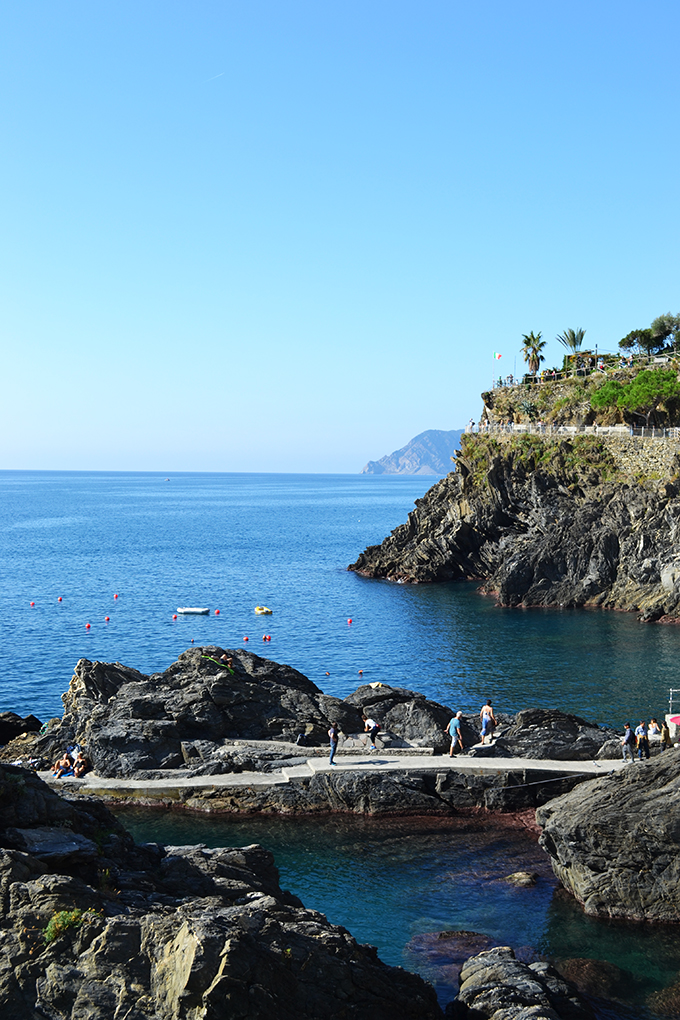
<point x="327" y="674"/>
<point x="106" y="619"/>
<point x="87" y="626"/>
<point x="174" y="616"/>
<point x="192" y="641"/>
<point x="245" y="639"/>
<point x="361" y="672"/>
<point x="32" y="603"/>
<point x="217" y="612"/>
<point x="59" y="599"/>
<point x="264" y="637"/>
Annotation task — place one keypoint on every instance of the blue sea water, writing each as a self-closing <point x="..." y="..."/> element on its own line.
<point x="232" y="541"/>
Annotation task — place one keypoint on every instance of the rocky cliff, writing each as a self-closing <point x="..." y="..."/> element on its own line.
<point x="95" y="926"/>
<point x="544" y="522"/>
<point x="615" y="842"/>
<point x="426" y="454"/>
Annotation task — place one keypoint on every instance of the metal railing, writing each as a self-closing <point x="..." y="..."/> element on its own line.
<point x="539" y="429"/>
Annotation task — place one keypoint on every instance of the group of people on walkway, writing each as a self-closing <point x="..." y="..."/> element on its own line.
<point x="487" y="724"/>
<point x="639" y="739"/>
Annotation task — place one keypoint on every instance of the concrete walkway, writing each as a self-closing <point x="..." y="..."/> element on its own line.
<point x="376" y="761"/>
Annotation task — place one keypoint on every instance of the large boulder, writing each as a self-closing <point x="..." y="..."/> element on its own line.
<point x="496" y="984"/>
<point x="175" y="932"/>
<point x="550" y="733"/>
<point x="614" y="842"/>
<point x="129" y="722"/>
<point x="416" y="719"/>
<point x="12" y="725"/>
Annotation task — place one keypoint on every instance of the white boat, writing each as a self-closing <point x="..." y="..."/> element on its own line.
<point x="192" y="611"/>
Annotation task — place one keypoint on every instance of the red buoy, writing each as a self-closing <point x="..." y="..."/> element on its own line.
<point x="32" y="603"/>
<point x="245" y="639"/>
<point x="174" y="616"/>
<point x="59" y="599"/>
<point x="115" y="596"/>
<point x="87" y="626"/>
<point x="217" y="612"/>
<point x="106" y="619"/>
<point x="349" y="620"/>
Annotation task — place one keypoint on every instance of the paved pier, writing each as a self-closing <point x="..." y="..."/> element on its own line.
<point x="378" y="761"/>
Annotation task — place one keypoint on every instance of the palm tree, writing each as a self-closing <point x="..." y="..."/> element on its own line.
<point x="571" y="339"/>
<point x="533" y="345"/>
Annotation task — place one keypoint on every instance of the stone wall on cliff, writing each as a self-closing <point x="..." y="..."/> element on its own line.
<point x="546" y="522"/>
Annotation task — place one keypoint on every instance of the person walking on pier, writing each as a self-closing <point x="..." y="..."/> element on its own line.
<point x="627" y="743"/>
<point x="642" y="740"/>
<point x="488" y="721"/>
<point x="333" y="735"/>
<point x="453" y="729"/>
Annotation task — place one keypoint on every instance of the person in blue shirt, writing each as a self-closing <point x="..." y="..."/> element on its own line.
<point x="642" y="740"/>
<point x="454" y="731"/>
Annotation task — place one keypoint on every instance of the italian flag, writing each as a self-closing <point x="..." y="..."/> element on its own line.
<point x="497" y="356"/>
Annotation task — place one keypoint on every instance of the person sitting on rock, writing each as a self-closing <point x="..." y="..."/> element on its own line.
<point x="372" y="728"/>
<point x="653" y="730"/>
<point x="81" y="765"/>
<point x="63" y="767"/>
<point x="488" y="721"/>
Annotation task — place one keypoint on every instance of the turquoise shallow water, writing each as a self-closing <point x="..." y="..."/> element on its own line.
<point x="392" y="881"/>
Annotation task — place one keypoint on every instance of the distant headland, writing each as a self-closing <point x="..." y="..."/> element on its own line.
<point x="428" y="453"/>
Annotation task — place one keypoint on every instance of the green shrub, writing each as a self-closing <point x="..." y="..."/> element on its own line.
<point x="66" y="920"/>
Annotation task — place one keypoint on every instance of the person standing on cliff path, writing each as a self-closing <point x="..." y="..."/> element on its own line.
<point x="627" y="743"/>
<point x="453" y="729"/>
<point x="333" y="735"/>
<point x="665" y="736"/>
<point x="488" y="721"/>
<point x="642" y="741"/>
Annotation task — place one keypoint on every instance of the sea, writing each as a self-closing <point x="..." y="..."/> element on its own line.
<point x="96" y="564"/>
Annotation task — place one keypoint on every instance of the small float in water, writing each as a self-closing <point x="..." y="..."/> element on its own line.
<point x="193" y="611"/>
<point x="263" y="611"/>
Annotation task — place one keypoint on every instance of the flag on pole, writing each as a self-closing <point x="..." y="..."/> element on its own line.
<point x="497" y="356"/>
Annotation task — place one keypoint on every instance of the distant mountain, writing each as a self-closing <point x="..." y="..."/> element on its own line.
<point x="428" y="454"/>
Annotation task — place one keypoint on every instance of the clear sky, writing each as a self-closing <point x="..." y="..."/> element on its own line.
<point x="273" y="235"/>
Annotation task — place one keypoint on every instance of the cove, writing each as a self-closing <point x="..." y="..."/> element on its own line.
<point x="393" y="881"/>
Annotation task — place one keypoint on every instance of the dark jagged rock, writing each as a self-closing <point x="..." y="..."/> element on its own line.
<point x="495" y="983"/>
<point x="130" y="722"/>
<point x="615" y="842"/>
<point x="150" y="932"/>
<point x="414" y="717"/>
<point x="543" y="523"/>
<point x="12" y="725"/>
<point x="549" y="733"/>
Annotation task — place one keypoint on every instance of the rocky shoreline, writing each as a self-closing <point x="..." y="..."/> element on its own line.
<point x="544" y="522"/>
<point x="152" y="932"/>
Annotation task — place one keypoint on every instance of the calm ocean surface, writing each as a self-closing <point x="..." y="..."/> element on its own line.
<point x="231" y="541"/>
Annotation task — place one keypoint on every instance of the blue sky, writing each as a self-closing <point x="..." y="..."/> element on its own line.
<point x="288" y="236"/>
